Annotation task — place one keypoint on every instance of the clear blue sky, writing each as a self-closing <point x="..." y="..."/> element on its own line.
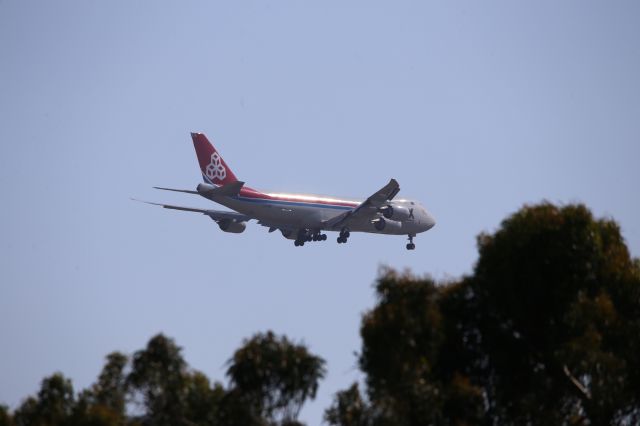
<point x="475" y="107"/>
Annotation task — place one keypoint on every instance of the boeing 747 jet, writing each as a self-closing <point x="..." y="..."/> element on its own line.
<point x="300" y="217"/>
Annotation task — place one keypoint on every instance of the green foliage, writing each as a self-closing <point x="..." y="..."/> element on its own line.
<point x="27" y="413"/>
<point x="545" y="331"/>
<point x="5" y="416"/>
<point x="203" y="401"/>
<point x="413" y="374"/>
<point x="172" y="394"/>
<point x="159" y="374"/>
<point x="111" y="388"/>
<point x="236" y="409"/>
<point x="53" y="405"/>
<point x="275" y="376"/>
<point x="167" y="392"/>
<point x="348" y="409"/>
<point x="105" y="402"/>
<point x="558" y="310"/>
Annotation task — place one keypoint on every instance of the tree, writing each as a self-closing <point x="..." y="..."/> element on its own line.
<point x="413" y="374"/>
<point x="5" y="417"/>
<point x="274" y="376"/>
<point x="558" y="308"/>
<point x="348" y="409"/>
<point x="104" y="404"/>
<point x="202" y="401"/>
<point x="546" y="330"/>
<point x="271" y="378"/>
<point x="110" y="390"/>
<point x="53" y="405"/>
<point x="27" y="413"/>
<point x="159" y="374"/>
<point x="172" y="393"/>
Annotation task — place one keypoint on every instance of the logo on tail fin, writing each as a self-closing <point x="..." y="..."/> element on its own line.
<point x="215" y="169"/>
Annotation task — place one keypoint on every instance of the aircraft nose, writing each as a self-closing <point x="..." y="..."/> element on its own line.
<point x="429" y="222"/>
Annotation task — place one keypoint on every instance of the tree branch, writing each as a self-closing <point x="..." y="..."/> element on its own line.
<point x="583" y="390"/>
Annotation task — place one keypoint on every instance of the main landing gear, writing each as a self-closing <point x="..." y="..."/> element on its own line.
<point x="411" y="246"/>
<point x="344" y="235"/>
<point x="306" y="236"/>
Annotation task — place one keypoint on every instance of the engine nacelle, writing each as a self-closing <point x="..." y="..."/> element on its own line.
<point x="382" y="224"/>
<point x="295" y="234"/>
<point x="203" y="188"/>
<point x="289" y="234"/>
<point x="395" y="212"/>
<point x="228" y="225"/>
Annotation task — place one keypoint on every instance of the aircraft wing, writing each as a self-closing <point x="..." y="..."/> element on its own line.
<point x="369" y="207"/>
<point x="213" y="214"/>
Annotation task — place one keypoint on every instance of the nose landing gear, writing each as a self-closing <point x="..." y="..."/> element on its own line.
<point x="411" y="246"/>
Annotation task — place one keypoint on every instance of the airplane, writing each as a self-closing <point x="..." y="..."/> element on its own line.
<point x="299" y="217"/>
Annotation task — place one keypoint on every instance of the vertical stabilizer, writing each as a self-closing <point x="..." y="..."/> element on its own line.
<point x="214" y="170"/>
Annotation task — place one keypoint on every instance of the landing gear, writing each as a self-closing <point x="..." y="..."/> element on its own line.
<point x="344" y="235"/>
<point x="411" y="246"/>
<point x="305" y="236"/>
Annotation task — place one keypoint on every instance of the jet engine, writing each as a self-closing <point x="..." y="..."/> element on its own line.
<point x="228" y="225"/>
<point x="395" y="212"/>
<point x="390" y="225"/>
<point x="289" y="234"/>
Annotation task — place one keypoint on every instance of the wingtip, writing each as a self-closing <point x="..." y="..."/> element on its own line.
<point x="143" y="201"/>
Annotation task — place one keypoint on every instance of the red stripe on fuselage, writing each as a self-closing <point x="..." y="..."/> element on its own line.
<point x="296" y="198"/>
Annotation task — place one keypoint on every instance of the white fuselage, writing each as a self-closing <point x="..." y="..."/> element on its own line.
<point x="312" y="211"/>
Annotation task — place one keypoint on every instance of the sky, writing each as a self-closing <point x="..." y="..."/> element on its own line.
<point x="476" y="108"/>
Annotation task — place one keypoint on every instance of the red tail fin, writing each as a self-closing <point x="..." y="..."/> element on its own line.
<point x="214" y="169"/>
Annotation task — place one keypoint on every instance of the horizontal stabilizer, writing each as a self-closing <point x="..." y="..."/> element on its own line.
<point x="176" y="190"/>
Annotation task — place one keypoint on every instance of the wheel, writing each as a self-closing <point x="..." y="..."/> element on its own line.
<point x="296" y="243"/>
<point x="346" y="235"/>
<point x="339" y="240"/>
<point x="411" y="246"/>
<point x="324" y="237"/>
<point x="315" y="238"/>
